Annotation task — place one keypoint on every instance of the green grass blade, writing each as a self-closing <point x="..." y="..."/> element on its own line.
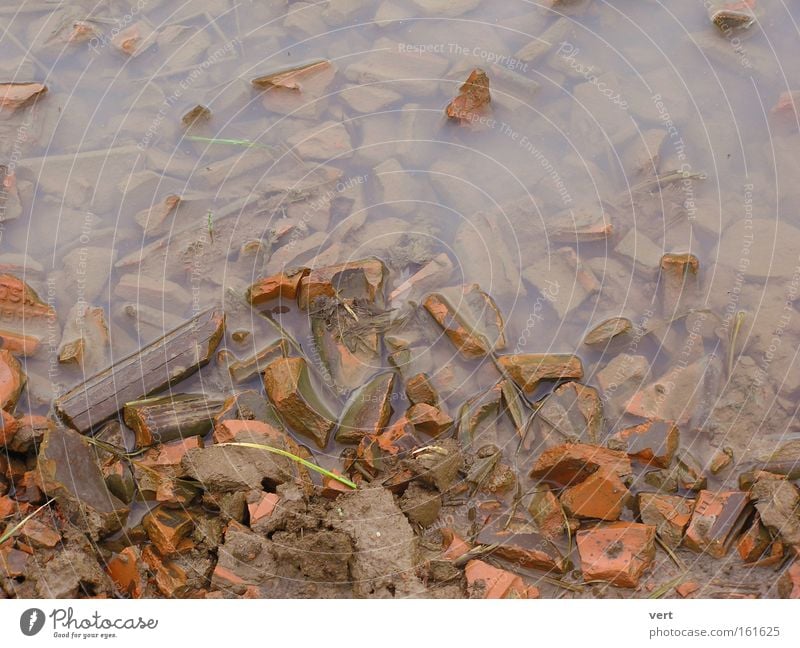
<point x="666" y="587"/>
<point x="222" y="140"/>
<point x="17" y="527"/>
<point x="289" y="455"/>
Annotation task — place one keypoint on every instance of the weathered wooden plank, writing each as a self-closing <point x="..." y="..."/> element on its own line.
<point x="167" y="418"/>
<point x="162" y="363"/>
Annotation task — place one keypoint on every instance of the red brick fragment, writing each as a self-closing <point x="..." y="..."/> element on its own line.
<point x="570" y="464"/>
<point x="617" y="553"/>
<point x="125" y="570"/>
<point x="263" y="506"/>
<point x="281" y="285"/>
<point x="602" y="495"/>
<point x="651" y="443"/>
<point x="489" y="582"/>
<point x="716" y="520"/>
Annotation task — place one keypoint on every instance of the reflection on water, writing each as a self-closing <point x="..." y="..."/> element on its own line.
<point x="616" y="133"/>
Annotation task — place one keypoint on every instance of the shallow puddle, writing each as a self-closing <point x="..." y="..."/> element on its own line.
<point x="631" y="174"/>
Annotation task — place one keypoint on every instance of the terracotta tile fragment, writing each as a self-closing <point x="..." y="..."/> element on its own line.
<point x="168" y="529"/>
<point x="283" y="285"/>
<point x="8" y="428"/>
<point x="170" y="578"/>
<point x="420" y="390"/>
<point x="363" y="279"/>
<point x="569" y="464"/>
<point x="617" y="553"/>
<point x="12" y="380"/>
<point x="546" y="511"/>
<point x="125" y="569"/>
<point x="13" y="562"/>
<point x="472" y="100"/>
<point x="14" y="96"/>
<point x="489" y="582"/>
<point x="429" y="419"/>
<point x="670" y="515"/>
<point x="687" y="589"/>
<point x="39" y="534"/>
<point x="652" y="443"/>
<point x="332" y="488"/>
<point x="789" y="582"/>
<point x="262" y="507"/>
<point x="716" y="520"/>
<point x="470" y="344"/>
<point x="530" y="550"/>
<point x="528" y="370"/>
<point x="602" y="495"/>
<point x="453" y="545"/>
<point x="288" y="386"/>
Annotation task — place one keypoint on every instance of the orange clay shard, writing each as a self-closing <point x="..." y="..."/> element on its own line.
<point x="472" y="99"/>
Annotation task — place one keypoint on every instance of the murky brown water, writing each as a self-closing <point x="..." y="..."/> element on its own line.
<point x="590" y="101"/>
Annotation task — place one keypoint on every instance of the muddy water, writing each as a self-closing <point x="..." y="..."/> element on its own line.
<point x="590" y="102"/>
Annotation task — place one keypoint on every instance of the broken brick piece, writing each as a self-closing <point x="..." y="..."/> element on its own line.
<point x="398" y="440"/>
<point x="546" y="511"/>
<point x="429" y="419"/>
<point x="716" y="520"/>
<point x="289" y="389"/>
<point x="368" y="411"/>
<point x="571" y="463"/>
<point x="652" y="443"/>
<point x="31" y="428"/>
<point x="687" y="589"/>
<point x="233" y="430"/>
<point x="420" y="390"/>
<point x="170" y="578"/>
<point x="169" y="454"/>
<point x="14" y="96"/>
<point x="789" y="582"/>
<point x="283" y="285"/>
<point x="530" y="550"/>
<point x="528" y="370"/>
<point x="263" y="506"/>
<point x="24" y="345"/>
<point x="125" y="570"/>
<point x="689" y="473"/>
<point x="332" y="488"/>
<point x="39" y="535"/>
<point x="13" y="562"/>
<point x="12" y="380"/>
<point x="470" y="343"/>
<point x="721" y="460"/>
<point x="356" y="279"/>
<point x="9" y="506"/>
<point x="8" y="428"/>
<point x="168" y="529"/>
<point x="453" y="545"/>
<point x="67" y="470"/>
<point x="778" y="504"/>
<point x="489" y="582"/>
<point x="617" y="553"/>
<point x="472" y="100"/>
<point x="602" y="495"/>
<point x="754" y="543"/>
<point x="575" y="410"/>
<point x="670" y="515"/>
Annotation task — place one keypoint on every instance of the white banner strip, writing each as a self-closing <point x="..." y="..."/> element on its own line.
<point x="407" y="624"/>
